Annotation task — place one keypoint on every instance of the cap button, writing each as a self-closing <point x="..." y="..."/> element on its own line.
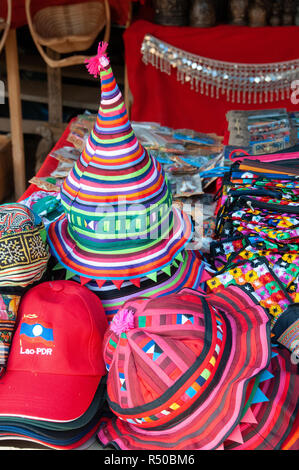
<point x="56" y="286"/>
<point x="123" y="321"/>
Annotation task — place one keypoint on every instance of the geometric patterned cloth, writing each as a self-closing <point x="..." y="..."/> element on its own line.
<point x="24" y="252"/>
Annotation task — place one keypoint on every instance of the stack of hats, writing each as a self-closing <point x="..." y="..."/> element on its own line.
<point x="54" y="387"/>
<point x="24" y="254"/>
<point x="120" y="234"/>
<point x="186" y="371"/>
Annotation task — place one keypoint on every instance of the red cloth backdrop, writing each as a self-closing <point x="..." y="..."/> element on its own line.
<point x="119" y="9"/>
<point x="160" y="98"/>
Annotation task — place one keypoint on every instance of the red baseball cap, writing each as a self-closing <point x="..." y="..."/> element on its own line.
<point x="55" y="363"/>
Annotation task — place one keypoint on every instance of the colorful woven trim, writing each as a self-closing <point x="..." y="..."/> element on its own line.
<point x="24" y="253"/>
<point x="271" y="418"/>
<point x="286" y="266"/>
<point x="9" y="305"/>
<point x="119" y="264"/>
<point x="154" y="351"/>
<point x="186" y="271"/>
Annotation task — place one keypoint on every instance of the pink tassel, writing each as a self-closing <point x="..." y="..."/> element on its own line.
<point x="123" y="321"/>
<point x="94" y="63"/>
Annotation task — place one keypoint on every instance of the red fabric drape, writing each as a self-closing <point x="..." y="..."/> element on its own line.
<point x="161" y="98"/>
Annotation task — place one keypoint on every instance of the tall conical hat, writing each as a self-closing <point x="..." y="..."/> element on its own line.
<point x="119" y="223"/>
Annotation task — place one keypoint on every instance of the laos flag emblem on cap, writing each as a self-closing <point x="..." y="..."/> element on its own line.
<point x="36" y="333"/>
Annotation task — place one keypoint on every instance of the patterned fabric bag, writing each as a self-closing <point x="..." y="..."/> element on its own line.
<point x="24" y="256"/>
<point x="257" y="228"/>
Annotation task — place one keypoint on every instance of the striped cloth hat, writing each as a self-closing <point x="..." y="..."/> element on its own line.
<point x="119" y="222"/>
<point x="270" y="417"/>
<point x="179" y="366"/>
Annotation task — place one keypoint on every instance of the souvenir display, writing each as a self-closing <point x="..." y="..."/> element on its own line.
<point x="275" y="16"/>
<point x="257" y="14"/>
<point x="258" y="240"/>
<point x="288" y="12"/>
<point x="238" y="12"/>
<point x="174" y="13"/>
<point x="149" y="277"/>
<point x="297" y="15"/>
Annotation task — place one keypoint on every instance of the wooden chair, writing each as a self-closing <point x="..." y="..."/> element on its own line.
<point x="64" y="29"/>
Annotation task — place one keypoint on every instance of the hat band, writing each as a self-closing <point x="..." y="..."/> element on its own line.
<point x="218" y="334"/>
<point x="132" y="238"/>
<point x="122" y="222"/>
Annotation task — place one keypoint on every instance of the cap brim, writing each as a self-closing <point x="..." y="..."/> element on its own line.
<point x="80" y="443"/>
<point x="118" y="265"/>
<point x="48" y="397"/>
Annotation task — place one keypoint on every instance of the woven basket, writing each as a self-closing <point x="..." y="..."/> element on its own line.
<point x="68" y="28"/>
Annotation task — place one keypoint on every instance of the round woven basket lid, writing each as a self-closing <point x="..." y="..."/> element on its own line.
<point x="69" y="28"/>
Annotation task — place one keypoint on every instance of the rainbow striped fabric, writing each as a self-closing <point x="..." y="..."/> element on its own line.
<point x="178" y="379"/>
<point x="119" y="223"/>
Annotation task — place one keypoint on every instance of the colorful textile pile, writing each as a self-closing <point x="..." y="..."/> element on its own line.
<point x="24" y="255"/>
<point x="194" y="371"/>
<point x="258" y="240"/>
<point x="119" y="223"/>
<point x="53" y="390"/>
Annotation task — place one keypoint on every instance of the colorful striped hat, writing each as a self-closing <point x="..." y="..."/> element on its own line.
<point x="270" y="416"/>
<point x="179" y="366"/>
<point x="119" y="222"/>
